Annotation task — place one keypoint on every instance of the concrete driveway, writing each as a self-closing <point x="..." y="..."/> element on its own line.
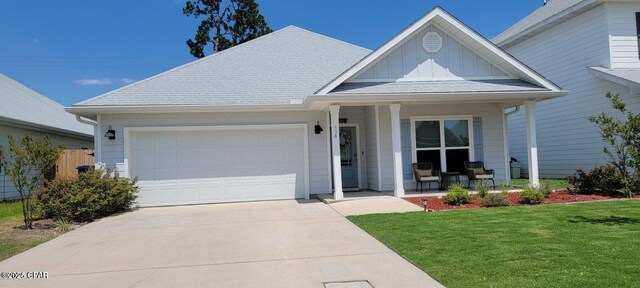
<point x="261" y="244"/>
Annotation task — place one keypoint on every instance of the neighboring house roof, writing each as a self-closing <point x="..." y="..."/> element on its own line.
<point x="21" y="105"/>
<point x="471" y="38"/>
<point x="280" y="68"/>
<point x="627" y="77"/>
<point x="545" y="17"/>
<point x="422" y="87"/>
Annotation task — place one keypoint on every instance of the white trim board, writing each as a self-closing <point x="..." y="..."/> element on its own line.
<point x="357" y="126"/>
<point x="304" y="127"/>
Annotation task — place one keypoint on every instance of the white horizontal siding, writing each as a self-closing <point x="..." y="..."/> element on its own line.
<point x="7" y="189"/>
<point x="491" y="115"/>
<point x="371" y="148"/>
<point x="113" y="150"/>
<point x="623" y="35"/>
<point x="566" y="139"/>
<point x="386" y="148"/>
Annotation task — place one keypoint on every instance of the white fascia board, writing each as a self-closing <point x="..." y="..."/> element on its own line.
<point x="601" y="73"/>
<point x="88" y="110"/>
<point x="43" y="128"/>
<point x="437" y="97"/>
<point x="549" y="22"/>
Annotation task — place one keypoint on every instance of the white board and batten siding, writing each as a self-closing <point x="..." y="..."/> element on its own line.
<point x="113" y="151"/>
<point x="566" y="138"/>
<point x="491" y="115"/>
<point x="623" y="35"/>
<point x="411" y="62"/>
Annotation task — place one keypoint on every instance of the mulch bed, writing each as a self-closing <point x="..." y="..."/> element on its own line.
<point x="440" y="204"/>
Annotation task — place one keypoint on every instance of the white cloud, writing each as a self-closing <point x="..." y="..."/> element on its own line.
<point x="85" y="82"/>
<point x="103" y="81"/>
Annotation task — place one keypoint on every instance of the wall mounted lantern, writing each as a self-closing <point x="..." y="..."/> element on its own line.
<point x="318" y="128"/>
<point x="111" y="134"/>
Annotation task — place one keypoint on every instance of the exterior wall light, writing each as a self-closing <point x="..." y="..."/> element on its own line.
<point x="111" y="134"/>
<point x="318" y="128"/>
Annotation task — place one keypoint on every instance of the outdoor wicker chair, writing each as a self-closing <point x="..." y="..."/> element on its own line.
<point x="476" y="171"/>
<point x="424" y="172"/>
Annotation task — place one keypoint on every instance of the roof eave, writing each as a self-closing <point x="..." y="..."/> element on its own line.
<point x="614" y="78"/>
<point x="40" y="127"/>
<point x="93" y="110"/>
<point x="439" y="97"/>
<point x="549" y="22"/>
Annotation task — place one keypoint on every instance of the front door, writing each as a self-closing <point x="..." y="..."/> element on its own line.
<point x="349" y="157"/>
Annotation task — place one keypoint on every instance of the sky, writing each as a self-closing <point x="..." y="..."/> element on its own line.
<point x="72" y="50"/>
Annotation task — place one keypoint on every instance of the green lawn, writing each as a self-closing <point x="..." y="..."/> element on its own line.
<point x="13" y="241"/>
<point x="577" y="245"/>
<point x="10" y="211"/>
<point x="554" y="183"/>
<point x="10" y="247"/>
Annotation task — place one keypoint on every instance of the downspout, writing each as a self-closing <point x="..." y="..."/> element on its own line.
<point x="96" y="136"/>
<point x="512" y="112"/>
<point x="505" y="135"/>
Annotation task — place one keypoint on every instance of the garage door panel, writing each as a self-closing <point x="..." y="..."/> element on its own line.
<point x="218" y="166"/>
<point x="167" y="158"/>
<point x="166" y="141"/>
<point x="143" y="140"/>
<point x="144" y="158"/>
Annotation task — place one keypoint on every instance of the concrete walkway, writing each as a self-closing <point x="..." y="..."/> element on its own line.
<point x="362" y="203"/>
<point x="261" y="244"/>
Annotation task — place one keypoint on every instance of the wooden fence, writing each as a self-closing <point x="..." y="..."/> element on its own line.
<point x="69" y="161"/>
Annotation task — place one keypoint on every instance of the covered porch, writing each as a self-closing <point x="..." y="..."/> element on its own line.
<point x="436" y="92"/>
<point x="373" y="147"/>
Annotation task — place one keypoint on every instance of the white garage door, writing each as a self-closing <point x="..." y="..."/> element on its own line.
<point x="218" y="165"/>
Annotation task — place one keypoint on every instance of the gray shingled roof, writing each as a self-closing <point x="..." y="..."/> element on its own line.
<point x="23" y="105"/>
<point x="283" y="67"/>
<point x="450" y="86"/>
<point x="548" y="11"/>
<point x="623" y="76"/>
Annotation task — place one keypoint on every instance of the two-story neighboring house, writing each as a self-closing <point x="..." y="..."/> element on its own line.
<point x="588" y="47"/>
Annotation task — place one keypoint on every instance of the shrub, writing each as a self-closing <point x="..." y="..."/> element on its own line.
<point x="457" y="195"/>
<point x="532" y="196"/>
<point x="603" y="178"/>
<point x="545" y="189"/>
<point x="93" y="195"/>
<point x="503" y="187"/>
<point x="496" y="200"/>
<point x="64" y="226"/>
<point x="482" y="188"/>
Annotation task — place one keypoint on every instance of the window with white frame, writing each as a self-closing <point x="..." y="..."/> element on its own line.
<point x="445" y="142"/>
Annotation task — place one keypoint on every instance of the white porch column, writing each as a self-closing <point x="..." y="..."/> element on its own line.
<point x="505" y="146"/>
<point x="334" y="110"/>
<point x="397" y="150"/>
<point x="532" y="146"/>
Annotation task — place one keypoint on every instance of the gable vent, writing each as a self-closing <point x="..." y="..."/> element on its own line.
<point x="432" y="42"/>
